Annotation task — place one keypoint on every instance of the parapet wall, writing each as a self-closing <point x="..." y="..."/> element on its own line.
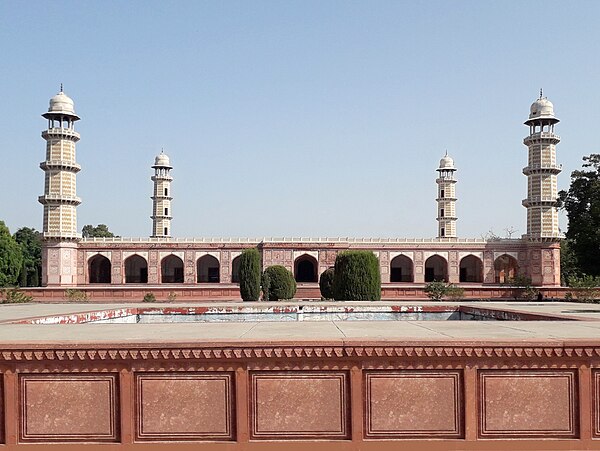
<point x="330" y="395"/>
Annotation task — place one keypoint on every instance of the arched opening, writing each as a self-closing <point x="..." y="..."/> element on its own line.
<point x="99" y="269"/>
<point x="436" y="269"/>
<point x="235" y="270"/>
<point x="305" y="269"/>
<point x="505" y="268"/>
<point x="401" y="269"/>
<point x="207" y="269"/>
<point x="471" y="269"/>
<point x="171" y="268"/>
<point x="136" y="269"/>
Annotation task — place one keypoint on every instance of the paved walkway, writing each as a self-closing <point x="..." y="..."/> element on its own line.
<point x="586" y="330"/>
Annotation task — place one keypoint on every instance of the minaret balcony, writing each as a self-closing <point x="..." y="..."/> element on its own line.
<point x="166" y="178"/>
<point x="159" y="198"/>
<point x="447" y="218"/>
<point x="543" y="169"/>
<point x="62" y="165"/>
<point x="60" y="132"/>
<point x="161" y="217"/>
<point x="61" y="236"/>
<point x="49" y="199"/>
<point x="540" y="201"/>
<point x="547" y="137"/>
<point x="451" y="199"/>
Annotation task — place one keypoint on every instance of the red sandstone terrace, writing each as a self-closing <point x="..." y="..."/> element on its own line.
<point x="330" y="385"/>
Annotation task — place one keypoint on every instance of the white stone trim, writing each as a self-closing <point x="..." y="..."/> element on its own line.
<point x="443" y="254"/>
<point x="410" y="255"/>
<point x="143" y="254"/>
<point x="515" y="255"/>
<point x="462" y="255"/>
<point x="90" y="254"/>
<point x="234" y="254"/>
<point x="163" y="254"/>
<point x="314" y="254"/>
<point x="201" y="254"/>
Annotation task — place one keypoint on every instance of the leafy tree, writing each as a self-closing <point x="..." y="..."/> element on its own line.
<point x="582" y="204"/>
<point x="30" y="241"/>
<point x="100" y="231"/>
<point x="569" y="268"/>
<point x="282" y="284"/>
<point x="436" y="290"/>
<point x="11" y="257"/>
<point x="250" y="274"/>
<point x="356" y="277"/>
<point x="326" y="283"/>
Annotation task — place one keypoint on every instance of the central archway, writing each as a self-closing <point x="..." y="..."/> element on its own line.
<point x="171" y="268"/>
<point x="136" y="269"/>
<point x="471" y="269"/>
<point x="100" y="269"/>
<point x="401" y="269"/>
<point x="305" y="269"/>
<point x="505" y="268"/>
<point x="208" y="269"/>
<point x="436" y="269"/>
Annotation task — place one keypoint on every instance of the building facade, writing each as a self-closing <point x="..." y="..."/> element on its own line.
<point x="69" y="261"/>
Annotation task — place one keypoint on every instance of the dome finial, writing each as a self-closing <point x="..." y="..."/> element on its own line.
<point x="61" y="87"/>
<point x="541" y="93"/>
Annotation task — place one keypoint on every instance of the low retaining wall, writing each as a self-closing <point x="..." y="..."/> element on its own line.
<point x="365" y="395"/>
<point x="225" y="292"/>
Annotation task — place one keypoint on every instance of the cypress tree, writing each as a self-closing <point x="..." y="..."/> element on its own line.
<point x="250" y="274"/>
<point x="356" y="277"/>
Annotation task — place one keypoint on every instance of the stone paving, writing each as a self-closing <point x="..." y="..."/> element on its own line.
<point x="587" y="326"/>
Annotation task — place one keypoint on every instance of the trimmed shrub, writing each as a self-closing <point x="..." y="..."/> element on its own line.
<point x="75" y="295"/>
<point x="356" y="277"/>
<point x="250" y="274"/>
<point x="326" y="283"/>
<point x="149" y="297"/>
<point x="14" y="296"/>
<point x="436" y="290"/>
<point x="266" y="284"/>
<point x="282" y="284"/>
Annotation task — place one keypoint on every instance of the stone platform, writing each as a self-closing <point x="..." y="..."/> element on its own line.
<point x="332" y="385"/>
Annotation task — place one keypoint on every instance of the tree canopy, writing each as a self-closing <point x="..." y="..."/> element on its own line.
<point x="11" y="257"/>
<point x="30" y="241"/>
<point x="100" y="231"/>
<point x="582" y="204"/>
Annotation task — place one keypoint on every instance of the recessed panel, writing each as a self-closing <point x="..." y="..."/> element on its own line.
<point x="413" y="404"/>
<point x="299" y="404"/>
<point x="527" y="404"/>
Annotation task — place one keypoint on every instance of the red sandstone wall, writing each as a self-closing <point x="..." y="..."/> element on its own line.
<point x="338" y="397"/>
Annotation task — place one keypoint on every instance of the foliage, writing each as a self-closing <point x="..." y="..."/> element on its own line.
<point x="172" y="296"/>
<point x="585" y="288"/>
<point x="356" y="277"/>
<point x="265" y="283"/>
<point x="522" y="289"/>
<point x="14" y="296"/>
<point x="100" y="231"/>
<point x="75" y="295"/>
<point x="250" y="274"/>
<point x="149" y="297"/>
<point x="454" y="292"/>
<point x="582" y="204"/>
<point x="282" y="284"/>
<point x="326" y="283"/>
<point x="568" y="263"/>
<point x="11" y="258"/>
<point x="30" y="241"/>
<point x="436" y="290"/>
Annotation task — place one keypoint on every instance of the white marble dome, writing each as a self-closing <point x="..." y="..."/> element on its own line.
<point x="162" y="160"/>
<point x="447" y="162"/>
<point x="541" y="108"/>
<point x="61" y="103"/>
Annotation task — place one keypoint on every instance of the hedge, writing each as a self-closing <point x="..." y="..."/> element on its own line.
<point x="356" y="277"/>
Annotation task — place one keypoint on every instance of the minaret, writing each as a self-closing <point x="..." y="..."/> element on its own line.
<point x="446" y="199"/>
<point x="60" y="198"/>
<point x="541" y="172"/>
<point x="161" y="205"/>
<point x="59" y="229"/>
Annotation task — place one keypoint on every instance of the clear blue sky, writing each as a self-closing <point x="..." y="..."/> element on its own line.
<point x="285" y="118"/>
